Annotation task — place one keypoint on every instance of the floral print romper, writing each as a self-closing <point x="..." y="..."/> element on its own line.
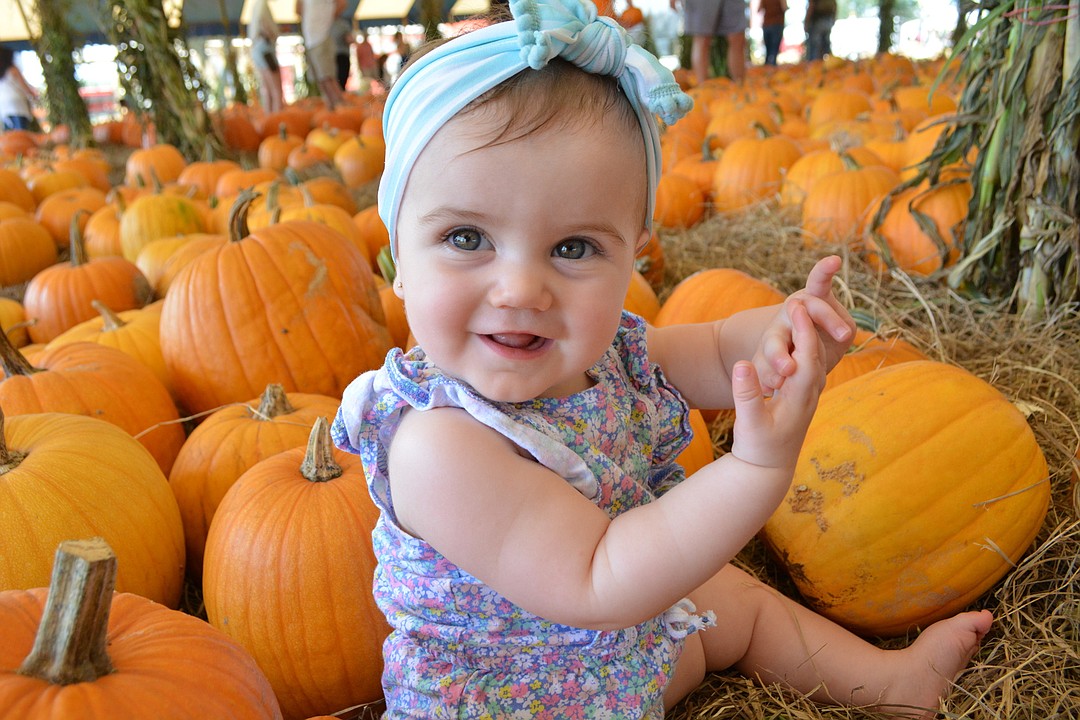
<point x="459" y="649"/>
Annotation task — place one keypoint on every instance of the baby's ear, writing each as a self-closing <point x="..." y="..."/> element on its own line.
<point x="642" y="241"/>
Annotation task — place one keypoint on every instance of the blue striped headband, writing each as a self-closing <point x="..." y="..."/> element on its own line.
<point x="437" y="85"/>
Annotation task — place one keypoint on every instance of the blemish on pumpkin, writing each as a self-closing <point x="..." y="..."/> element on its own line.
<point x="805" y="500"/>
<point x="844" y="473"/>
<point x="318" y="278"/>
<point x="858" y="437"/>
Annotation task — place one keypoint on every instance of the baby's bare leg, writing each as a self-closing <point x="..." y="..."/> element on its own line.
<point x="770" y="637"/>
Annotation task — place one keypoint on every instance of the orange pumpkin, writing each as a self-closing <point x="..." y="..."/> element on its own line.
<point x="372" y="229"/>
<point x="889" y="528"/>
<point x="76" y="649"/>
<point x="289" y="304"/>
<point x="360" y="160"/>
<point x="57" y="212"/>
<point x="26" y="248"/>
<point x="60" y="296"/>
<point x="87" y="378"/>
<point x="700" y="451"/>
<point x="229" y="442"/>
<point x="274" y="151"/>
<point x="680" y="204"/>
<point x="641" y="298"/>
<point x="751" y="170"/>
<point x="163" y="258"/>
<point x="13" y="321"/>
<point x="13" y="189"/>
<point x="309" y="502"/>
<point x="715" y="294"/>
<point x="65" y="476"/>
<point x="836" y="208"/>
<point x="134" y="332"/>
<point x="919" y="230"/>
<point x="154" y="166"/>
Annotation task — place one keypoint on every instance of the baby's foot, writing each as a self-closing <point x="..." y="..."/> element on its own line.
<point x="925" y="670"/>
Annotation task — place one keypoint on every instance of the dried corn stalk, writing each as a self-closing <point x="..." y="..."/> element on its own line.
<point x="1022" y="238"/>
<point x="162" y="85"/>
<point x="63" y="104"/>
<point x="1019" y="107"/>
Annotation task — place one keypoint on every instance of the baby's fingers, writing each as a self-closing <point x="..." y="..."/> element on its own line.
<point x="819" y="281"/>
<point x="808" y="351"/>
<point x="747" y="393"/>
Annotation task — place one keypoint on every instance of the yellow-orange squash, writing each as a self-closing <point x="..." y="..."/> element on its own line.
<point x="77" y="650"/>
<point x="288" y="574"/>
<point x="918" y="487"/>
<point x="67" y="476"/>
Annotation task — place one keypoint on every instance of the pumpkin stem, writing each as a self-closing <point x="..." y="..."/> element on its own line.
<point x="238" y="228"/>
<point x="9" y="459"/>
<point x="13" y="361"/>
<point x="387" y="268"/>
<point x="319" y="465"/>
<point x="70" y="646"/>
<point x="78" y="247"/>
<point x="112" y="320"/>
<point x="274" y="402"/>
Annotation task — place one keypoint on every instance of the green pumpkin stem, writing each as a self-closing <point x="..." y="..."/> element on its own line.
<point x="319" y="464"/>
<point x="70" y="646"/>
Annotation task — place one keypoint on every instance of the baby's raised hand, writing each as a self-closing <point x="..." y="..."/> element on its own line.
<point x="774" y="360"/>
<point x="770" y="432"/>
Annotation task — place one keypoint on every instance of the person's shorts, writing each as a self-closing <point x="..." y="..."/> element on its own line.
<point x="714" y="17"/>
<point x="321" y="60"/>
<point x="263" y="55"/>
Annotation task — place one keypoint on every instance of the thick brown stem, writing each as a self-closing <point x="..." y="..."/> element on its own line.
<point x="319" y="465"/>
<point x="70" y="646"/>
<point x="78" y="247"/>
<point x="12" y="360"/>
<point x="274" y="402"/>
<point x="9" y="459"/>
<point x="238" y="228"/>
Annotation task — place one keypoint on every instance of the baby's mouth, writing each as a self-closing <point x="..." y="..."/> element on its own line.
<point x="518" y="341"/>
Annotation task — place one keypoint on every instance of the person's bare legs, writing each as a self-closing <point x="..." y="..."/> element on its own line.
<point x="700" y="49"/>
<point x="270" y="92"/>
<point x="331" y="92"/>
<point x="770" y="637"/>
<point x="736" y="56"/>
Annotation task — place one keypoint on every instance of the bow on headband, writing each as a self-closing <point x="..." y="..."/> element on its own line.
<point x="443" y="81"/>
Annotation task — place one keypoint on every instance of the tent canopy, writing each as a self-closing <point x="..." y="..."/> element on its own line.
<point x="18" y="18"/>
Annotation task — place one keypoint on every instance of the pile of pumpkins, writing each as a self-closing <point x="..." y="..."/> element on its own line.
<point x="835" y="144"/>
<point x="168" y="388"/>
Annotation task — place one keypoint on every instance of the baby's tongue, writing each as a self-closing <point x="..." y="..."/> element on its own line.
<point x="515" y="340"/>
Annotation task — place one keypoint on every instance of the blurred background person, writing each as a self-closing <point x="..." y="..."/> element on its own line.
<point x="820" y="16"/>
<point x="704" y="20"/>
<point x="316" y="27"/>
<point x="772" y="26"/>
<point x="263" y="33"/>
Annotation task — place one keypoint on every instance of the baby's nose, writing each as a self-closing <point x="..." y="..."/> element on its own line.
<point x="522" y="286"/>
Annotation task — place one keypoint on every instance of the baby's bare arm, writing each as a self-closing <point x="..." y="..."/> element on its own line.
<point x="529" y="535"/>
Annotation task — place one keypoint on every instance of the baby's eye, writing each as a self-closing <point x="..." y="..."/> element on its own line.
<point x="574" y="249"/>
<point x="465" y="238"/>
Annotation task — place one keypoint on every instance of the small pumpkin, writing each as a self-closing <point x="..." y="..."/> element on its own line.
<point x="918" y="229"/>
<point x="751" y="170"/>
<point x="157" y="215"/>
<point x="891" y="526"/>
<point x="76" y="649"/>
<point x="680" y="203"/>
<point x="156" y="165"/>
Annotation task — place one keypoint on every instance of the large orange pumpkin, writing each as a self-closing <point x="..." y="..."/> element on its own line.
<point x="291" y="304"/>
<point x="229" y="442"/>
<point x="66" y="476"/>
<point x="77" y="650"/>
<point x="751" y="171"/>
<point x="918" y="487"/>
<point x="26" y="248"/>
<point x="312" y="626"/>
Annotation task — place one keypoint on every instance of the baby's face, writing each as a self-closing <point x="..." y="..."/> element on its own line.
<point x="515" y="258"/>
